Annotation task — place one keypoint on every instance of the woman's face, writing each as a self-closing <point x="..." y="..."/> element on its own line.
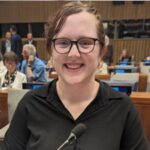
<point x="11" y="66"/>
<point x="75" y="67"/>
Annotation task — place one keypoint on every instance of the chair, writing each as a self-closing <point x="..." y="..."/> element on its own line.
<point x="141" y="79"/>
<point x="14" y="96"/>
<point x="144" y="68"/>
<point x="127" y="77"/>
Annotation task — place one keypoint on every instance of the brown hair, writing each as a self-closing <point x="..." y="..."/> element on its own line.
<point x="56" y="24"/>
<point x="10" y="56"/>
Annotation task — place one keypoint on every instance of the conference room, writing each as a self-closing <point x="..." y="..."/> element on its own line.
<point x="32" y="31"/>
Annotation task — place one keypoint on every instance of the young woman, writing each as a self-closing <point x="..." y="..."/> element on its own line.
<point x="45" y="117"/>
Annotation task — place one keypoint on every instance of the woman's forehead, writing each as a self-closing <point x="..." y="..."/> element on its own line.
<point x="80" y="23"/>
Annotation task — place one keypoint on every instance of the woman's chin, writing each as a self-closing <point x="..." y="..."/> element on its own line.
<point x="74" y="80"/>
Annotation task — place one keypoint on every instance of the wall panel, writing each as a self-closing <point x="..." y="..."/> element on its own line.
<point x="137" y="47"/>
<point x="140" y="48"/>
<point x="38" y="11"/>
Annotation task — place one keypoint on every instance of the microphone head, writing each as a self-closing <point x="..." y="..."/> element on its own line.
<point x="79" y="129"/>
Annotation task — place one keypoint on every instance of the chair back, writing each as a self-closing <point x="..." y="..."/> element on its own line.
<point x="14" y="96"/>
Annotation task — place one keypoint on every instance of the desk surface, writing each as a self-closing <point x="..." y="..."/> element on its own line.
<point x="3" y="92"/>
<point x="141" y="97"/>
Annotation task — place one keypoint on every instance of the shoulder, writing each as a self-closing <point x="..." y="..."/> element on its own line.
<point x="3" y="42"/>
<point x="4" y="71"/>
<point x="24" y="62"/>
<point x="34" y="41"/>
<point x="16" y="37"/>
<point x="25" y="42"/>
<point x="20" y="74"/>
<point x="112" y="96"/>
<point x="36" y="95"/>
<point x="39" y="62"/>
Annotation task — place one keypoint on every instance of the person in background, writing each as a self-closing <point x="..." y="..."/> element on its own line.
<point x="148" y="58"/>
<point x="16" y="42"/>
<point x="125" y="57"/>
<point x="46" y="116"/>
<point x="108" y="58"/>
<point x="6" y="43"/>
<point x="30" y="40"/>
<point x="32" y="66"/>
<point x="2" y="67"/>
<point x="11" y="78"/>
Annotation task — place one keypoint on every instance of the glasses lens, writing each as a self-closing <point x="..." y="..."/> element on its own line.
<point x="62" y="45"/>
<point x="86" y="45"/>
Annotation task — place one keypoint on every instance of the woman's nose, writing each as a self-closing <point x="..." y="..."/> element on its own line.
<point x="74" y="52"/>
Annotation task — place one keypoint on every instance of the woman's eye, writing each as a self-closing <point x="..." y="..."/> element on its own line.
<point x="63" y="43"/>
<point x="85" y="43"/>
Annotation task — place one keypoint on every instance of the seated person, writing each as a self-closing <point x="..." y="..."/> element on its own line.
<point x="30" y="40"/>
<point x="11" y="77"/>
<point x="2" y="67"/>
<point x="148" y="58"/>
<point x="32" y="66"/>
<point x="6" y="44"/>
<point x="125" y="57"/>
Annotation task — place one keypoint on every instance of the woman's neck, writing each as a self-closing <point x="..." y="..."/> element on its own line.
<point x="79" y="92"/>
<point x="11" y="73"/>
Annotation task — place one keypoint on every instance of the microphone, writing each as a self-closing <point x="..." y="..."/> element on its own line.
<point x="76" y="132"/>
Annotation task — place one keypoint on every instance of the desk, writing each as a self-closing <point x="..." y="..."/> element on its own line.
<point x="3" y="108"/>
<point x="127" y="69"/>
<point x="140" y="99"/>
<point x="143" y="78"/>
<point x="142" y="103"/>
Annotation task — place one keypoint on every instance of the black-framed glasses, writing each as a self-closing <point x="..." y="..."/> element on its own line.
<point x="84" y="45"/>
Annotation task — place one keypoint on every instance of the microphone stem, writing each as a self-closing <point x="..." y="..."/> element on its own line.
<point x="70" y="139"/>
<point x="61" y="146"/>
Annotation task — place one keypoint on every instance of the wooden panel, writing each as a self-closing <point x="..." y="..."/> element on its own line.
<point x="142" y="102"/>
<point x="39" y="11"/>
<point x="27" y="11"/>
<point x="142" y="82"/>
<point x="3" y="108"/>
<point x="41" y="48"/>
<point x="137" y="47"/>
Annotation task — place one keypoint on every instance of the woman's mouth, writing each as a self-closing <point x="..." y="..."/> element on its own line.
<point x="73" y="66"/>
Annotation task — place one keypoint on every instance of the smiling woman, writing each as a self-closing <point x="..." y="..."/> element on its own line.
<point x="45" y="117"/>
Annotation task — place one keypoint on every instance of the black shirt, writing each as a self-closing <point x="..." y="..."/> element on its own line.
<point x="41" y="122"/>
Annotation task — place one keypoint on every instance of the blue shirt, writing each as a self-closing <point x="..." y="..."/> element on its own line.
<point x="38" y="69"/>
